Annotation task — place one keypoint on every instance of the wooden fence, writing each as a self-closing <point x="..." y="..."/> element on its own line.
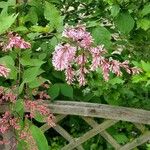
<point x="110" y="114"/>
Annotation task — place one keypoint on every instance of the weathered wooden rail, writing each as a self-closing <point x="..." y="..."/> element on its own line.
<point x="110" y="114"/>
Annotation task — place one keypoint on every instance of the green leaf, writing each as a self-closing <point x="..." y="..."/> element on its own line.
<point x="3" y="4"/>
<point x="19" y="107"/>
<point x="38" y="117"/>
<point x="6" y="22"/>
<point x="116" y="80"/>
<point x="21" y="144"/>
<point x="143" y="23"/>
<point x="21" y="29"/>
<point x="31" y="73"/>
<point x="67" y="90"/>
<point x="32" y="16"/>
<point x="145" y="66"/>
<point x="52" y="14"/>
<point x="37" y="82"/>
<point x="146" y="10"/>
<point x="42" y="56"/>
<point x="21" y="87"/>
<point x="54" y="91"/>
<point x="115" y="10"/>
<point x="124" y="22"/>
<point x="148" y="83"/>
<point x="31" y="62"/>
<point x="39" y="137"/>
<point x="121" y="138"/>
<point x="8" y="3"/>
<point x="41" y="29"/>
<point x="101" y="36"/>
<point x="138" y="78"/>
<point x="9" y="62"/>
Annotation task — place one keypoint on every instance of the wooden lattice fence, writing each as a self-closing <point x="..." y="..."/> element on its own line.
<point x="110" y="114"/>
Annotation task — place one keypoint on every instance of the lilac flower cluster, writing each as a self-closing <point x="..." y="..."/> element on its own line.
<point x="7" y="96"/>
<point x="7" y="122"/>
<point x="38" y="107"/>
<point x="4" y="71"/>
<point x="15" y="41"/>
<point x="79" y="35"/>
<point x="75" y="56"/>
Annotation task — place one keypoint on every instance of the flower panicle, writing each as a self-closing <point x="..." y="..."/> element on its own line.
<point x="74" y="57"/>
<point x="15" y="41"/>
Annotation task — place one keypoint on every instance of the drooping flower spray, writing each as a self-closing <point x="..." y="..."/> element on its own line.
<point x="79" y="56"/>
<point x="34" y="104"/>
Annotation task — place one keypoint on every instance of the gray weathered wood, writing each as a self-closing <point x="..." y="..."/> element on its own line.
<point x="101" y="111"/>
<point x="60" y="130"/>
<point x="45" y="127"/>
<point x="10" y="138"/>
<point x="86" y="110"/>
<point x="97" y="110"/>
<point x="89" y="134"/>
<point x="2" y="146"/>
<point x="104" y="133"/>
<point x="136" y="142"/>
<point x="66" y="135"/>
<point x="141" y="127"/>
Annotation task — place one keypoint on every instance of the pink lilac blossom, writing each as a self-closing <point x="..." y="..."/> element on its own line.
<point x="7" y="121"/>
<point x="4" y="142"/>
<point x="7" y="96"/>
<point x="105" y="66"/>
<point x="97" y="58"/>
<point x="80" y="35"/>
<point x="81" y="75"/>
<point x="4" y="71"/>
<point x="115" y="67"/>
<point x="35" y="107"/>
<point x="81" y="61"/>
<point x="63" y="56"/>
<point x="74" y="33"/>
<point x="44" y="85"/>
<point x="75" y="60"/>
<point x="10" y="97"/>
<point x="17" y="42"/>
<point x="69" y="72"/>
<point x="125" y="65"/>
<point x="86" y="41"/>
<point x="26" y="135"/>
<point x="43" y="95"/>
<point x="98" y="50"/>
<point x="135" y="70"/>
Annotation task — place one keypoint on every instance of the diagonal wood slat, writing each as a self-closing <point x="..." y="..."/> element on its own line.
<point x="45" y="127"/>
<point x="104" y="133"/>
<point x="60" y="130"/>
<point x="66" y="135"/>
<point x="89" y="134"/>
<point x="141" y="127"/>
<point x="136" y="142"/>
